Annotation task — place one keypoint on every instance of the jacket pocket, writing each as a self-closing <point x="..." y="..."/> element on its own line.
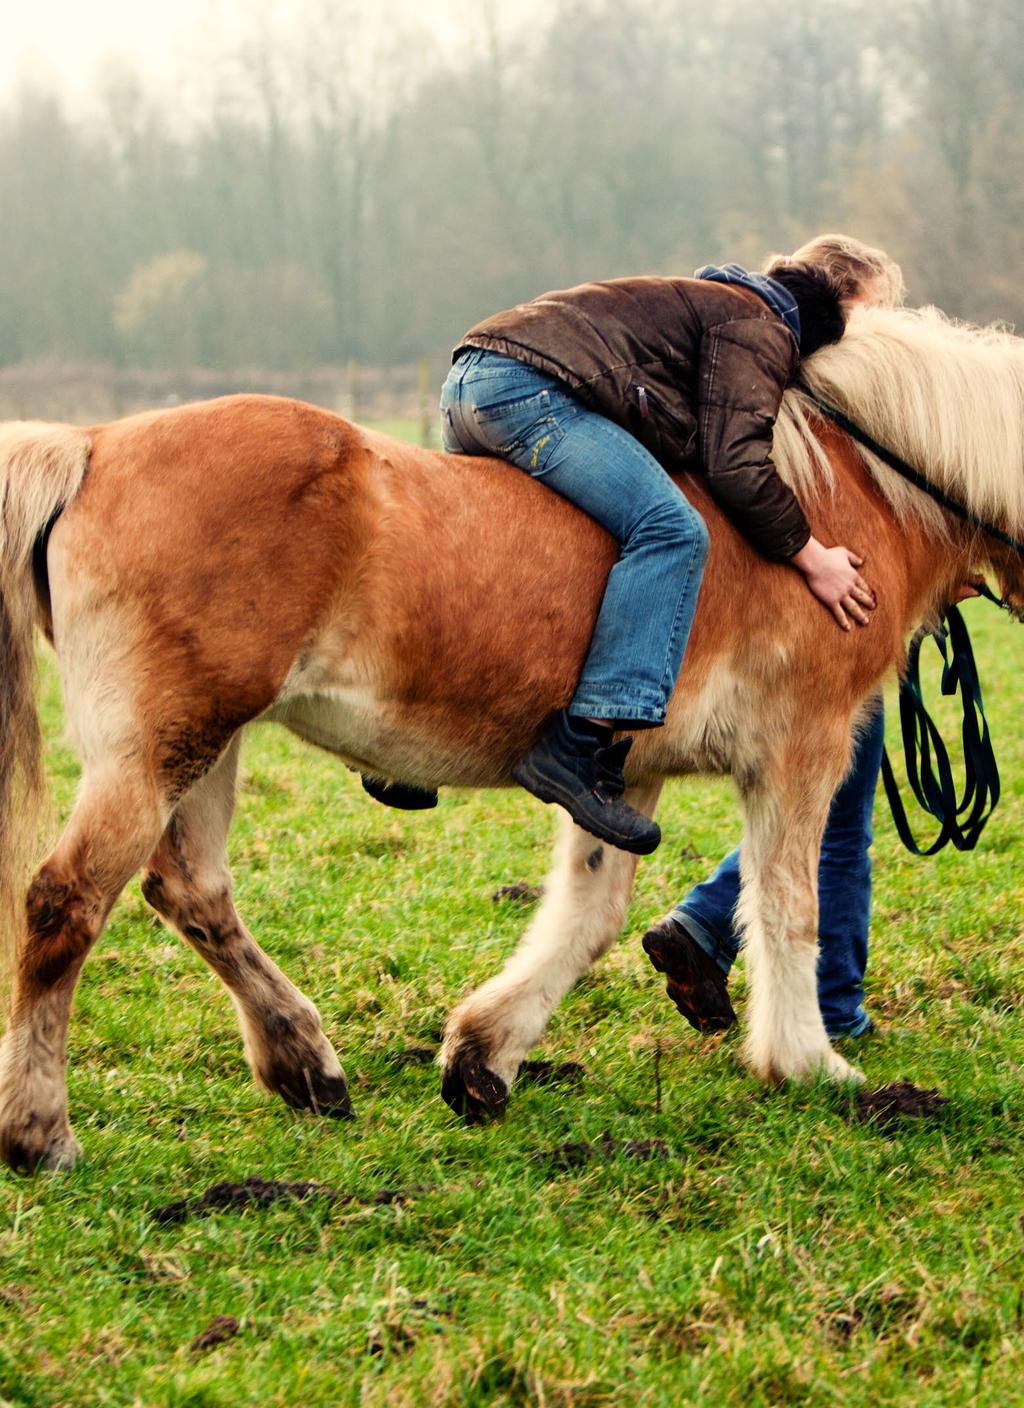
<point x="670" y="437"/>
<point x="651" y="404"/>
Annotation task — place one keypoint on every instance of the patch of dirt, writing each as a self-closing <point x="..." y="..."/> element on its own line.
<point x="519" y="893"/>
<point x="569" y="1073"/>
<point x="889" y="1106"/>
<point x="220" y="1329"/>
<point x="261" y="1192"/>
<point x="575" y="1154"/>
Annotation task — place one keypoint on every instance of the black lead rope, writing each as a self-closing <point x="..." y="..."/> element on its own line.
<point x="961" y="817"/>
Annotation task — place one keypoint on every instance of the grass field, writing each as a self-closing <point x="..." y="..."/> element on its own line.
<point x="768" y="1251"/>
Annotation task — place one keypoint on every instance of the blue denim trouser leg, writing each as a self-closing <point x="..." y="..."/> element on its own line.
<point x="494" y="405"/>
<point x="844" y="894"/>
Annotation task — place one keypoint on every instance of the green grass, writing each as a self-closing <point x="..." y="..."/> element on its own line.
<point x="779" y="1254"/>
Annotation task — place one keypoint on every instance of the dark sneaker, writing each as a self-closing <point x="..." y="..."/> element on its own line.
<point x="583" y="774"/>
<point x="696" y="984"/>
<point x="398" y="794"/>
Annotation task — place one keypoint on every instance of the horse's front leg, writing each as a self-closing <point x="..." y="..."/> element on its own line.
<point x="786" y="808"/>
<point x="580" y="916"/>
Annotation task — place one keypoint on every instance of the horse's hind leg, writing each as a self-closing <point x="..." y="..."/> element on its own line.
<point x="114" y="825"/>
<point x="187" y="882"/>
<point x="580" y="917"/>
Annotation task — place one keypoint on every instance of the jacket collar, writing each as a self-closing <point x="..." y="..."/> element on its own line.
<point x="776" y="295"/>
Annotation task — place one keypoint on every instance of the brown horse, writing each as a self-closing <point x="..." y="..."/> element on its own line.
<point x="421" y="616"/>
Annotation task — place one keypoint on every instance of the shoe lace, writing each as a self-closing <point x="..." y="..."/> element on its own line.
<point x="608" y="763"/>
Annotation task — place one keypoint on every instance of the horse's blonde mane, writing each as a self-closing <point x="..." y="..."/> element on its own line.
<point x="946" y="397"/>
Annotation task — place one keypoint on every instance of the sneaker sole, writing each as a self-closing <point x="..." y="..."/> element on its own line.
<point x="702" y="1003"/>
<point x="547" y="791"/>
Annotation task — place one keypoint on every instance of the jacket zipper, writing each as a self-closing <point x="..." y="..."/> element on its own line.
<point x="647" y="399"/>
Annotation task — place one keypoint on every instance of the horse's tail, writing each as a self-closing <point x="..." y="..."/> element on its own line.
<point x="41" y="468"/>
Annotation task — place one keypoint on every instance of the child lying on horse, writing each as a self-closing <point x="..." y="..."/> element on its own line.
<point x="596" y="391"/>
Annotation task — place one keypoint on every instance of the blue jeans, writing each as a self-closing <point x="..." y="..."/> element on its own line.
<point x="495" y="405"/>
<point x="844" y="895"/>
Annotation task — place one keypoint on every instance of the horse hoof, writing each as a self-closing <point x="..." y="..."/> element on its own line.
<point x="315" y="1091"/>
<point x="805" y="1068"/>
<point x="60" y="1153"/>
<point x="473" y="1091"/>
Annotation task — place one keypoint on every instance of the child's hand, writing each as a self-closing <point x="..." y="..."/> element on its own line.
<point x="831" y="574"/>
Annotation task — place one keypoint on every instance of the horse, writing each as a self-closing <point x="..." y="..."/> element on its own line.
<point x="421" y="616"/>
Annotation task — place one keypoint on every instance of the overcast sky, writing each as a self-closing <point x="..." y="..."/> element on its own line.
<point x="64" y="43"/>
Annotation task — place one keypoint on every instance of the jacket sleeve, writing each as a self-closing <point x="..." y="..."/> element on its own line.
<point x="745" y="366"/>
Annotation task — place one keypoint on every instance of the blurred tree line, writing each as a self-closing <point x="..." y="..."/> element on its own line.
<point x="345" y="192"/>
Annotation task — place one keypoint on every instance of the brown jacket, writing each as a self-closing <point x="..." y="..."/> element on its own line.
<point x="694" y="369"/>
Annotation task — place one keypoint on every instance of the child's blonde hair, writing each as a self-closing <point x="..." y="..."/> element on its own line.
<point x="851" y="264"/>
